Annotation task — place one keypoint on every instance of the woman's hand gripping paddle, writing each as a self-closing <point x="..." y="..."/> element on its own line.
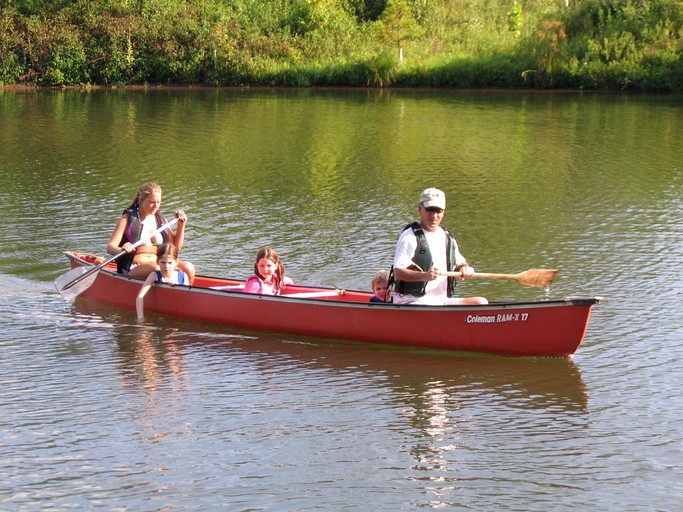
<point x="77" y="280"/>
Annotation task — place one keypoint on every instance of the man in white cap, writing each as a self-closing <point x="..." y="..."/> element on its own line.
<point x="423" y="251"/>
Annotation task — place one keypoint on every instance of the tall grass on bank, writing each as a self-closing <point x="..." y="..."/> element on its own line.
<point x="633" y="45"/>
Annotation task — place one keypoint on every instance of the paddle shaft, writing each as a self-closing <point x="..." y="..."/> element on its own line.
<point x="538" y="277"/>
<point x="119" y="254"/>
<point x="481" y="274"/>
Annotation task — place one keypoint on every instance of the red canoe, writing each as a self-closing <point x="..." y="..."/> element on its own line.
<point x="544" y="328"/>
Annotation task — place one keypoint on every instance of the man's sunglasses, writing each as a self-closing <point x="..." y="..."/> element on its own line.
<point x="433" y="209"/>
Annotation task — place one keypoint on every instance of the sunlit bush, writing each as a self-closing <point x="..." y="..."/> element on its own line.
<point x="605" y="44"/>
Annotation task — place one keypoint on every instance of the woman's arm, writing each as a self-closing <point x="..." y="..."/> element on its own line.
<point x="178" y="238"/>
<point x="116" y="237"/>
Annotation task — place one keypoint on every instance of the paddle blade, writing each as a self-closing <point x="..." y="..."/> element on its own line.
<point x="69" y="292"/>
<point x="541" y="278"/>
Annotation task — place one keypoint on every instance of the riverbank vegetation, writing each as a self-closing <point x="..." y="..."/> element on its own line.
<point x="633" y="45"/>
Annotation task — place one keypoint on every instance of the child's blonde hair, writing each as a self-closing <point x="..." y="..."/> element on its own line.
<point x="381" y="276"/>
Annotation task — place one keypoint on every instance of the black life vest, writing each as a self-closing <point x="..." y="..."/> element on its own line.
<point x="132" y="234"/>
<point x="423" y="261"/>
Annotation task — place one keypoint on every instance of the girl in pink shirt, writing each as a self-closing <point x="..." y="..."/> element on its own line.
<point x="269" y="274"/>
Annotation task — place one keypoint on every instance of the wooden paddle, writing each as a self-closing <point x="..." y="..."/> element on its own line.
<point x="77" y="280"/>
<point x="534" y="277"/>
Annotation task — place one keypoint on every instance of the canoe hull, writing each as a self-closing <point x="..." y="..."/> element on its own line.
<point x="550" y="328"/>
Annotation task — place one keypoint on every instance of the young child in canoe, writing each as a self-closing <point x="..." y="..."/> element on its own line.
<point x="379" y="283"/>
<point x="269" y="274"/>
<point x="167" y="260"/>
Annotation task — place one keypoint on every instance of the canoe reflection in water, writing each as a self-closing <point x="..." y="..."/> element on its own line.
<point x="157" y="349"/>
<point x="430" y="416"/>
<point x="149" y="356"/>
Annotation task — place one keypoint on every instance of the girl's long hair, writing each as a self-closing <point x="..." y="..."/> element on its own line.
<point x="272" y="255"/>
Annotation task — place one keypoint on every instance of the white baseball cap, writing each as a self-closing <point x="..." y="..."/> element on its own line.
<point x="433" y="197"/>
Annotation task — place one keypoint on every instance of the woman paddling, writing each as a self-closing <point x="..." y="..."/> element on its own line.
<point x="139" y="220"/>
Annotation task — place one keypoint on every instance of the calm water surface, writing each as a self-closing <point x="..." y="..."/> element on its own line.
<point x="98" y="412"/>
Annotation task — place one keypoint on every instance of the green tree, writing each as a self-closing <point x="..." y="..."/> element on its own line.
<point x="397" y="25"/>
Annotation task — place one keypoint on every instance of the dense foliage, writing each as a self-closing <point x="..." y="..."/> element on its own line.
<point x="589" y="44"/>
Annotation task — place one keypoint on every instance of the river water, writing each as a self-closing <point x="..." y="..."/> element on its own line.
<point x="98" y="412"/>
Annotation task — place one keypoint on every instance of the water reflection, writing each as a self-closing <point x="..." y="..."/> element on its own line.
<point x="445" y="402"/>
<point x="149" y="357"/>
<point x="426" y="411"/>
<point x="589" y="184"/>
<point x="440" y="402"/>
<point x="429" y="388"/>
<point x="155" y="351"/>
